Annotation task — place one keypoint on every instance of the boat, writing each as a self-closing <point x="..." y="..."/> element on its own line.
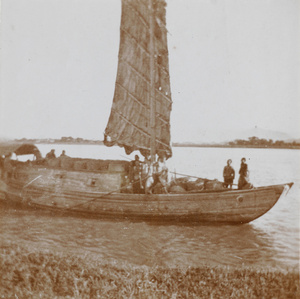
<point x="139" y="122"/>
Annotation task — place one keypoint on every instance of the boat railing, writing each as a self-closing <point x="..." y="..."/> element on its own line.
<point x="77" y="164"/>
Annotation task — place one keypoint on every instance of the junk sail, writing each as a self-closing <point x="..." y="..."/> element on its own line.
<point x="140" y="113"/>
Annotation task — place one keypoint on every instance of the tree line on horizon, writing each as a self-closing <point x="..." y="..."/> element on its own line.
<point x="251" y="142"/>
<point x="262" y="142"/>
<point x="61" y="140"/>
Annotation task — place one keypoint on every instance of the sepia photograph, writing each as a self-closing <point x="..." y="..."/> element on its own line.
<point x="149" y="149"/>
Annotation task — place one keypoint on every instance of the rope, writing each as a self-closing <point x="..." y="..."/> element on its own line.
<point x="190" y="176"/>
<point x="32" y="181"/>
<point x="104" y="195"/>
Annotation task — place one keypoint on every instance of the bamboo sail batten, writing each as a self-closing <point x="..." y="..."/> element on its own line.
<point x="140" y="130"/>
<point x="140" y="115"/>
<point x="148" y="54"/>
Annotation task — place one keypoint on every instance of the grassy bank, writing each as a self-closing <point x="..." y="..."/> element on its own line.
<point x="42" y="274"/>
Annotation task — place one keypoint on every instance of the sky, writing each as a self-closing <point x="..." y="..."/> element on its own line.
<point x="234" y="65"/>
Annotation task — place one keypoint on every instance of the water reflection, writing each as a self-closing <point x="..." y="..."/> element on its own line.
<point x="145" y="244"/>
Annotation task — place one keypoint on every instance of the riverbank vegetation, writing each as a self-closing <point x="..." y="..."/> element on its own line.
<point x="43" y="274"/>
<point x="251" y="142"/>
<point x="264" y="143"/>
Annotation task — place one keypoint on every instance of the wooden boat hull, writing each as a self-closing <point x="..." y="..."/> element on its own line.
<point x="235" y="206"/>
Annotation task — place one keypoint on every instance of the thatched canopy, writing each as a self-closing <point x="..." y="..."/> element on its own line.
<point x="18" y="148"/>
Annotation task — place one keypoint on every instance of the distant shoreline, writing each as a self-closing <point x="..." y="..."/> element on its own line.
<point x="94" y="142"/>
<point x="238" y="146"/>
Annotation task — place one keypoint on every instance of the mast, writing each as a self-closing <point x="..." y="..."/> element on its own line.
<point x="152" y="90"/>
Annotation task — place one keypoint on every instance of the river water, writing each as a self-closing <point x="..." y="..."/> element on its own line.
<point x="270" y="241"/>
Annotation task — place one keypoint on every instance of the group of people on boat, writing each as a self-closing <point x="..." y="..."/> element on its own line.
<point x="144" y="177"/>
<point x="7" y="165"/>
<point x="229" y="175"/>
<point x="49" y="156"/>
<point x="147" y="179"/>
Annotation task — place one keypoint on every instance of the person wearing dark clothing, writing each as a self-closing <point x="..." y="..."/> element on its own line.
<point x="160" y="177"/>
<point x="135" y="175"/>
<point x="51" y="154"/>
<point x="244" y="181"/>
<point x="63" y="154"/>
<point x="228" y="174"/>
<point x="7" y="166"/>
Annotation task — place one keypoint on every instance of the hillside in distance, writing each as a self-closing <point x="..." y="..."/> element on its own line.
<point x="217" y="137"/>
<point x="257" y="138"/>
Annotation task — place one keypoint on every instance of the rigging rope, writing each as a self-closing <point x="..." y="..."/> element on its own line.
<point x="106" y="194"/>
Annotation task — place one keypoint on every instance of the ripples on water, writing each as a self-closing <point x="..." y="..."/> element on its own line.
<point x="272" y="240"/>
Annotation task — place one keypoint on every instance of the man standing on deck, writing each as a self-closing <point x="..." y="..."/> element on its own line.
<point x="135" y="175"/>
<point x="228" y="174"/>
<point x="160" y="177"/>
